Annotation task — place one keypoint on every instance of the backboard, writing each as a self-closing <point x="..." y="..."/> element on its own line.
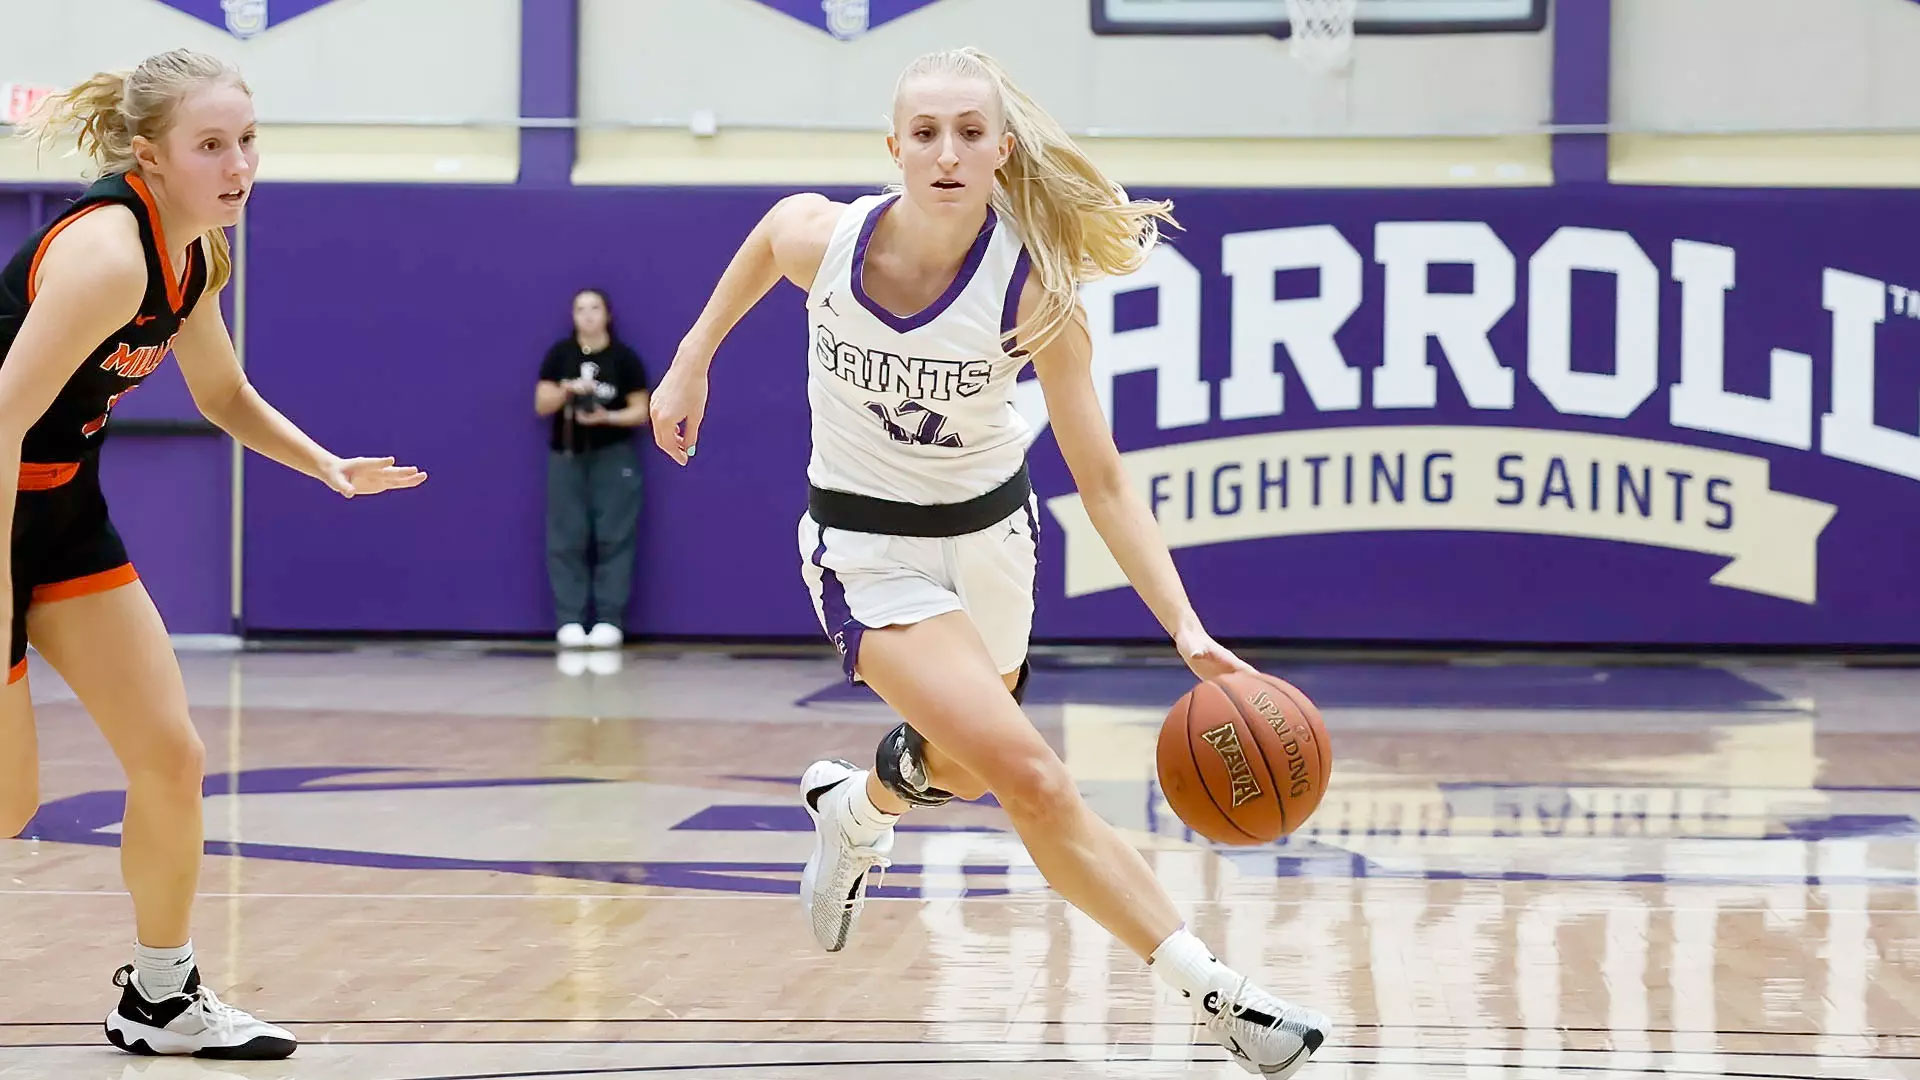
<point x="1270" y="16"/>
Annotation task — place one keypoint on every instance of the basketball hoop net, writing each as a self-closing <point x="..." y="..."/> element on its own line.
<point x="1321" y="33"/>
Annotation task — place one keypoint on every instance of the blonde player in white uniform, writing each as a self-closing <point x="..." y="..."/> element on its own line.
<point x="923" y="305"/>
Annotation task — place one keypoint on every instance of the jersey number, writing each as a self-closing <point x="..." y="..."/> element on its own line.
<point x="93" y="426"/>
<point x="914" y="423"/>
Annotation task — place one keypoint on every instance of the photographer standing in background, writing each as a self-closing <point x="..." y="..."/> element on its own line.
<point x="593" y="386"/>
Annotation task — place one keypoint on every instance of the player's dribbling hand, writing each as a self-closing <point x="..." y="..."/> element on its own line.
<point x="1208" y="658"/>
<point x="676" y="410"/>
<point x="370" y="476"/>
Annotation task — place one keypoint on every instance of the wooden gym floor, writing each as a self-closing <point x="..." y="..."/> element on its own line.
<point x="463" y="863"/>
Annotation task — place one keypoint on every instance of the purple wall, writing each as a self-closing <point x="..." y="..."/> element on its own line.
<point x="171" y="500"/>
<point x="417" y="332"/>
<point x="1582" y="88"/>
<point x="430" y="353"/>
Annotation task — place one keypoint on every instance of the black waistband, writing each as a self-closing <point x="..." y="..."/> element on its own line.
<point x="861" y="513"/>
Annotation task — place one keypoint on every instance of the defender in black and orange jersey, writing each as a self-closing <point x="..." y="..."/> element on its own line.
<point x="89" y="307"/>
<point x="64" y="544"/>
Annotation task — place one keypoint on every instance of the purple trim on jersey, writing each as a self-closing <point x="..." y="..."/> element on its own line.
<point x="842" y="628"/>
<point x="1010" y="311"/>
<point x="899" y="323"/>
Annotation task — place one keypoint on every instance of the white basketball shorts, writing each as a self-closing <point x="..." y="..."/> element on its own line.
<point x="864" y="581"/>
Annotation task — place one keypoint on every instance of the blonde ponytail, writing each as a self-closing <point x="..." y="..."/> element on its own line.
<point x="91" y="112"/>
<point x="106" y="112"/>
<point x="1077" y="224"/>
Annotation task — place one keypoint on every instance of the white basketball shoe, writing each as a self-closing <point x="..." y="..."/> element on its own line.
<point x="833" y="887"/>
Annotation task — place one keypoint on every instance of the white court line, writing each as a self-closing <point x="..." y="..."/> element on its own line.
<point x="1024" y="898"/>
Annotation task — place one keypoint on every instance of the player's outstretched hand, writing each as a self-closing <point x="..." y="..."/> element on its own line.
<point x="370" y="476"/>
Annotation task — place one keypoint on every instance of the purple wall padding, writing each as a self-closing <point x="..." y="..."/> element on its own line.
<point x="411" y="320"/>
<point x="171" y="501"/>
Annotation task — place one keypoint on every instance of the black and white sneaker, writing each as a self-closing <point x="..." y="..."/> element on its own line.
<point x="833" y="884"/>
<point x="192" y="1022"/>
<point x="1265" y="1035"/>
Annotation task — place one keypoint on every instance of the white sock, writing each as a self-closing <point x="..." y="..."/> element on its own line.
<point x="865" y="822"/>
<point x="1185" y="963"/>
<point x="163" y="972"/>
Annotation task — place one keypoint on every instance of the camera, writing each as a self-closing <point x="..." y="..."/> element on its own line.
<point x="588" y="402"/>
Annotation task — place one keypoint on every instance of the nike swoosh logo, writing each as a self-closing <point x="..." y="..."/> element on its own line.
<point x="813" y="796"/>
<point x="142" y="320"/>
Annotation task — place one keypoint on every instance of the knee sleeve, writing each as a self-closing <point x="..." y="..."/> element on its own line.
<point x="900" y="764"/>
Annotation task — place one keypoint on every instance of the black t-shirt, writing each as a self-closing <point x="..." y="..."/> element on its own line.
<point x="616" y="373"/>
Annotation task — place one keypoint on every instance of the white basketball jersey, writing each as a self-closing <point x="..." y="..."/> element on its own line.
<point x="915" y="408"/>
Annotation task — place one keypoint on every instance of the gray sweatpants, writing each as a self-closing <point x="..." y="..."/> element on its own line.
<point x="593" y="502"/>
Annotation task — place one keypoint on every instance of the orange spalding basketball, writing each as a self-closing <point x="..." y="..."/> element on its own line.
<point x="1244" y="759"/>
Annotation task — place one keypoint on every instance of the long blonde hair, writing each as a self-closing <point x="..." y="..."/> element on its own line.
<point x="105" y="113"/>
<point x="1077" y="224"/>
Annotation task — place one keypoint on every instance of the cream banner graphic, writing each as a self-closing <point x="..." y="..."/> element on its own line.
<point x="1468" y="479"/>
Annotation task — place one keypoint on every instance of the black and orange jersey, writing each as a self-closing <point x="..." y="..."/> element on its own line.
<point x="70" y="431"/>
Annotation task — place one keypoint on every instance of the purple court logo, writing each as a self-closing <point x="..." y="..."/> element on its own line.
<point x="846" y="19"/>
<point x="244" y="18"/>
<point x="755" y="833"/>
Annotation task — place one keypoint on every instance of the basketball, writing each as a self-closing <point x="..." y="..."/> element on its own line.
<point x="1244" y="760"/>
